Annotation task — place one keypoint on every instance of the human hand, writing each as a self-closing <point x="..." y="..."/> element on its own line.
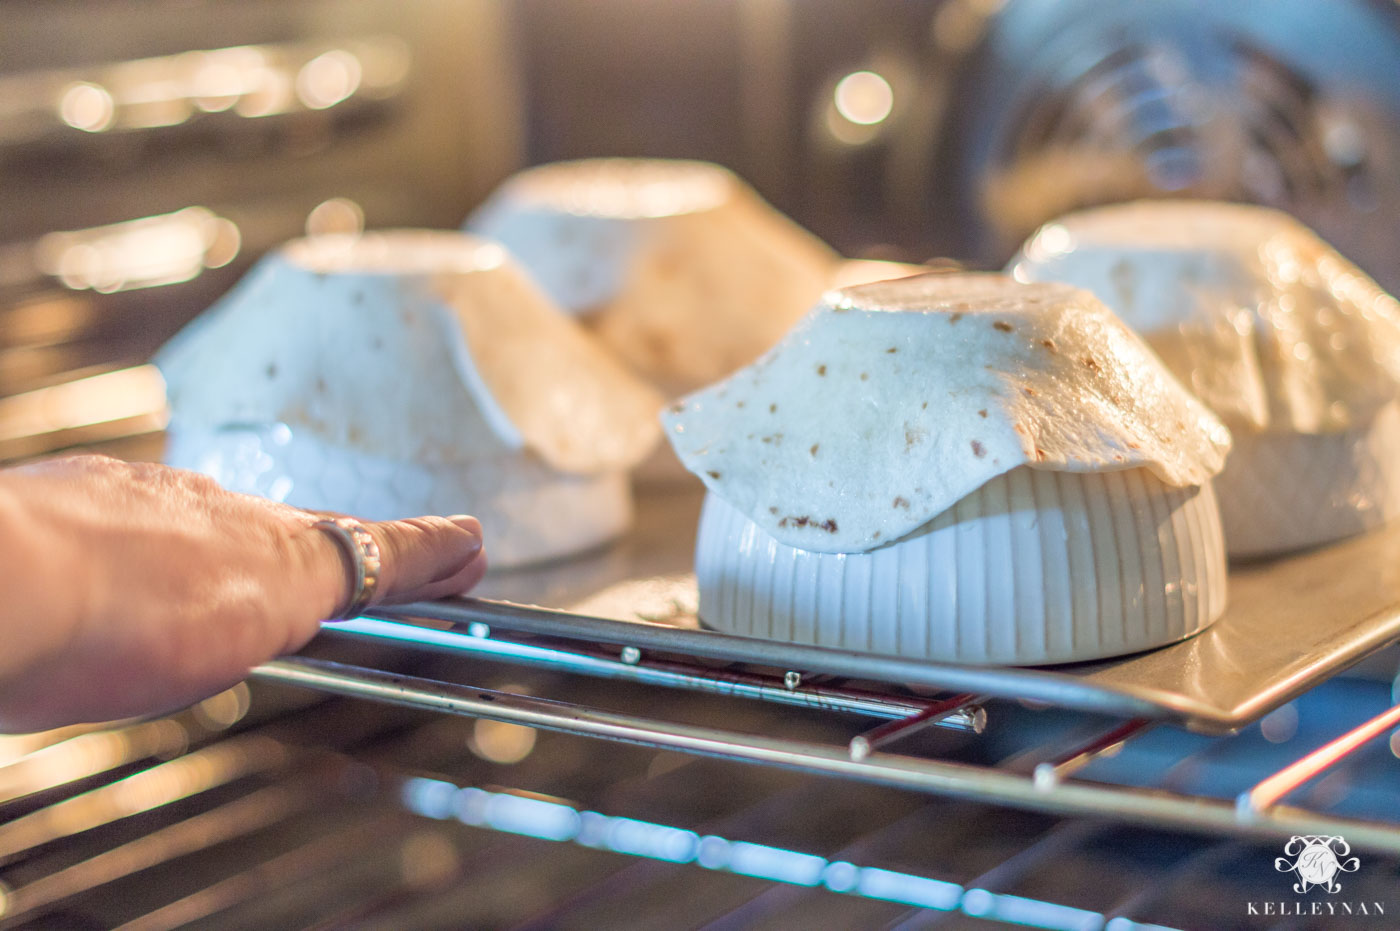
<point x="133" y="588"/>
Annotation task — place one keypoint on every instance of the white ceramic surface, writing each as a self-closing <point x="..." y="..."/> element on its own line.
<point x="529" y="511"/>
<point x="1034" y="567"/>
<point x="1287" y="491"/>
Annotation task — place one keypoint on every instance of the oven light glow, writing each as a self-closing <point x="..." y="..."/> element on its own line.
<point x="864" y="98"/>
<point x="222" y="77"/>
<point x="713" y="853"/>
<point x="89" y="755"/>
<point x="1052" y="241"/>
<point x="499" y="742"/>
<point x="1035" y="913"/>
<point x="250" y="81"/>
<point x="912" y="890"/>
<point x="638" y="838"/>
<point x="1127" y="924"/>
<point x="785" y="866"/>
<point x="337" y="215"/>
<point x="84" y="402"/>
<point x="532" y="817"/>
<point x="1279" y="725"/>
<point x="271" y="94"/>
<point x="87" y="106"/>
<point x="840" y="876"/>
<point x="143" y="253"/>
<point x="327" y="79"/>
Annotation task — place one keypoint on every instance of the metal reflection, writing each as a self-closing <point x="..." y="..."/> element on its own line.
<point x="142" y="253"/>
<point x="144" y="791"/>
<point x="554" y="821"/>
<point x="84" y="402"/>
<point x="864" y="98"/>
<point x="89" y="755"/>
<point x="247" y="81"/>
<point x="477" y="640"/>
<point x="81" y="756"/>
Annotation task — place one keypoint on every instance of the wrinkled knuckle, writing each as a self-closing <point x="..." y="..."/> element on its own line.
<point x="431" y="526"/>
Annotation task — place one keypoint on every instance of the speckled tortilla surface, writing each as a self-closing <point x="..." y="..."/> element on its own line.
<point x="890" y="402"/>
<point x="427" y="347"/>
<point x="1264" y="321"/>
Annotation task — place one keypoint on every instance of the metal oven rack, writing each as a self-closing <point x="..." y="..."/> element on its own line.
<point x="1275" y="636"/>
<point x="1043" y="778"/>
<point x="319" y="812"/>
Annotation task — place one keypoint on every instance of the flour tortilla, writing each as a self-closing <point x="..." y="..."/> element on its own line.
<point x="892" y="401"/>
<point x="680" y="267"/>
<point x="412" y="345"/>
<point x="852" y="272"/>
<point x="1263" y="320"/>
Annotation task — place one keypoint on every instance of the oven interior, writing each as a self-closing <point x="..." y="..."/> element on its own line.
<point x="151" y="151"/>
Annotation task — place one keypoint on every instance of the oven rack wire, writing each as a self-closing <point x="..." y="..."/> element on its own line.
<point x="194" y="758"/>
<point x="1050" y="785"/>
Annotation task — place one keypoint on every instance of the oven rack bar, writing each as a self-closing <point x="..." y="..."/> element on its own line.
<point x="631" y="665"/>
<point x="678" y="640"/>
<point x="990" y="784"/>
<point x="1269" y="791"/>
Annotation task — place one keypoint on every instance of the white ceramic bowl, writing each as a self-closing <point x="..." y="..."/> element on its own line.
<point x="530" y="512"/>
<point x="1286" y="491"/>
<point x="1034" y="567"/>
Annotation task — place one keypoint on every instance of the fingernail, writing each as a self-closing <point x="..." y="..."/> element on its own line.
<point x="470" y="524"/>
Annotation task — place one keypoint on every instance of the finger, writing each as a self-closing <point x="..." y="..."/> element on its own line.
<point x="419" y="552"/>
<point x="459" y="583"/>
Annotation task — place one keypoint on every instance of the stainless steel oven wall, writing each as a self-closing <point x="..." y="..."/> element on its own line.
<point x="747" y="83"/>
<point x="994" y="115"/>
<point x="150" y="150"/>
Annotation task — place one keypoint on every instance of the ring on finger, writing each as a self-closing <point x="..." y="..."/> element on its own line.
<point x="363" y="553"/>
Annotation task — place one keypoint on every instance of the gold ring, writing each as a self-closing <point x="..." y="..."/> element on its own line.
<point x="359" y="547"/>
